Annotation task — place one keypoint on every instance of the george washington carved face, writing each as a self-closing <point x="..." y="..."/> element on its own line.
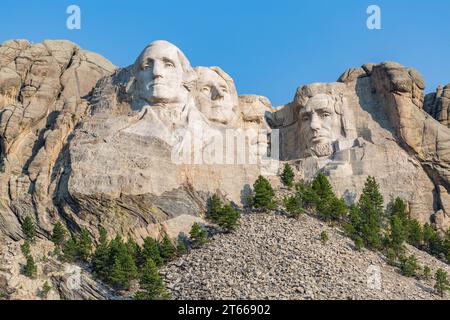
<point x="162" y="73"/>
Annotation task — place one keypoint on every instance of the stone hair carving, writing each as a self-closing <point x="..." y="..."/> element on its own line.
<point x="216" y="95"/>
<point x="162" y="75"/>
<point x="322" y="122"/>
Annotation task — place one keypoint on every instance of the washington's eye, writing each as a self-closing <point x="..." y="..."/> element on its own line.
<point x="145" y="66"/>
<point x="325" y="114"/>
<point x="169" y="64"/>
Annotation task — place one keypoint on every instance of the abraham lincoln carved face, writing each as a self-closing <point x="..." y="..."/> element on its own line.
<point x="320" y="122"/>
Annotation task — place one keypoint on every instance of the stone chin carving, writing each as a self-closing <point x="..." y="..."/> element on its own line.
<point x="216" y="95"/>
<point x="322" y="123"/>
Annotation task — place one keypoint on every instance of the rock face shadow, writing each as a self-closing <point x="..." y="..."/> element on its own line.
<point x="245" y="194"/>
<point x="369" y="102"/>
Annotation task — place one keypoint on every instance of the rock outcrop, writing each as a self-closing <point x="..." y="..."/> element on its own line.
<point x="437" y="104"/>
<point x="377" y="127"/>
<point x="41" y="91"/>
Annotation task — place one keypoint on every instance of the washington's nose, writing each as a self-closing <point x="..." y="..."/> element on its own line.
<point x="216" y="94"/>
<point x="157" y="70"/>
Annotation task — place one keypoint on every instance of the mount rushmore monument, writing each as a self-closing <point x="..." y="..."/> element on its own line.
<point x="140" y="149"/>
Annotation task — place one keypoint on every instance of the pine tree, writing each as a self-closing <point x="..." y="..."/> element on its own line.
<point x="151" y="251"/>
<point x="44" y="291"/>
<point x="322" y="198"/>
<point x="398" y="207"/>
<point x="391" y="256"/>
<point x="151" y="284"/>
<point x="428" y="232"/>
<point x="30" y="267"/>
<point x="359" y="243"/>
<point x="136" y="252"/>
<point x="409" y="266"/>
<point x="415" y="233"/>
<point x="28" y="229"/>
<point x="263" y="198"/>
<point x="322" y="187"/>
<point x="59" y="234"/>
<point x="293" y="205"/>
<point x="370" y="206"/>
<point x="228" y="218"/>
<point x="25" y="247"/>
<point x="324" y="237"/>
<point x="116" y="277"/>
<point x="427" y="272"/>
<point x="84" y="245"/>
<point x="167" y="249"/>
<point x="397" y="234"/>
<point x="372" y="192"/>
<point x="214" y="208"/>
<point x="332" y="208"/>
<point x="287" y="177"/>
<point x="123" y="269"/>
<point x="181" y="248"/>
<point x="100" y="259"/>
<point x="307" y="195"/>
<point x="70" y="250"/>
<point x="442" y="284"/>
<point x="352" y="226"/>
<point x="446" y="246"/>
<point x="198" y="235"/>
<point x="435" y="244"/>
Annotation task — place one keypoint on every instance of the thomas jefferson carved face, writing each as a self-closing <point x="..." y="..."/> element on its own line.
<point x="320" y="124"/>
<point x="160" y="74"/>
<point x="216" y="95"/>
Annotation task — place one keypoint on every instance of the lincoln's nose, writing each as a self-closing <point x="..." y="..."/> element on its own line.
<point x="315" y="123"/>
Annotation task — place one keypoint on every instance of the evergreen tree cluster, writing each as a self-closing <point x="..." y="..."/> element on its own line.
<point x="78" y="247"/>
<point x="29" y="231"/>
<point x="317" y="196"/>
<point x="223" y="215"/>
<point x="369" y="224"/>
<point x="402" y="229"/>
<point x="118" y="263"/>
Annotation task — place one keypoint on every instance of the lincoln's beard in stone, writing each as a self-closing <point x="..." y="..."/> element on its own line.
<point x="159" y="75"/>
<point x="319" y="126"/>
<point x="216" y="98"/>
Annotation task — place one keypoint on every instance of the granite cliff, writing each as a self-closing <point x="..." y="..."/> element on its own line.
<point x="140" y="149"/>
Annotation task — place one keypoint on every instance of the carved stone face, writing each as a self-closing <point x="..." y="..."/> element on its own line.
<point x="319" y="124"/>
<point x="214" y="96"/>
<point x="159" y="74"/>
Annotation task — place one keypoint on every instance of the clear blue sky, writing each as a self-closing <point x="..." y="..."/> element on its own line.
<point x="268" y="47"/>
